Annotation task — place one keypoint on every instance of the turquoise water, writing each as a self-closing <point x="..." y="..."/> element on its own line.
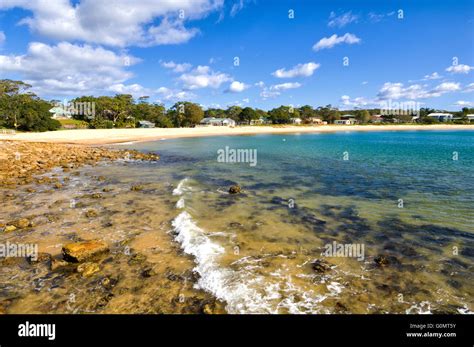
<point x="407" y="196"/>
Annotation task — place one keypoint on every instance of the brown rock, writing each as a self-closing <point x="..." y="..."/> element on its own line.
<point x="88" y="269"/>
<point x="235" y="189"/>
<point x="80" y="251"/>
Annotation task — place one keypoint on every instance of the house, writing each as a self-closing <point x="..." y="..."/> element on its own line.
<point x="295" y="121"/>
<point x="212" y="121"/>
<point x="345" y="121"/>
<point x="314" y="120"/>
<point x="60" y="113"/>
<point x="441" y="117"/>
<point x="376" y="118"/>
<point x="470" y="117"/>
<point x="145" y="124"/>
<point x="259" y="121"/>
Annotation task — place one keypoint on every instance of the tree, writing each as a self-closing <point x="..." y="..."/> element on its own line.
<point x="283" y="114"/>
<point x="233" y="112"/>
<point x="23" y="110"/>
<point x="307" y="112"/>
<point x="185" y="114"/>
<point x="248" y="114"/>
<point x="363" y="116"/>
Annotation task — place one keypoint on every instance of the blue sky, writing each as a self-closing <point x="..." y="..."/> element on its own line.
<point x="243" y="52"/>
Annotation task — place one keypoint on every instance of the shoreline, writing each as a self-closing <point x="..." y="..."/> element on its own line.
<point x="127" y="136"/>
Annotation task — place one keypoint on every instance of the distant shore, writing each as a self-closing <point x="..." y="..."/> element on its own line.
<point x="114" y="136"/>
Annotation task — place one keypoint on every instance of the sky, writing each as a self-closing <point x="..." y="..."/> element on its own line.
<point x="257" y="53"/>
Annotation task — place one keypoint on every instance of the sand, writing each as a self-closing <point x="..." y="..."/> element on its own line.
<point x="110" y="136"/>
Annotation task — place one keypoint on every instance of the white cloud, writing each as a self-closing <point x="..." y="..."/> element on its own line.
<point x="179" y="68"/>
<point x="463" y="103"/>
<point x="260" y="84"/>
<point x="342" y="20"/>
<point x="433" y="76"/>
<point x="237" y="87"/>
<point x="415" y="91"/>
<point x="203" y="77"/>
<point x="135" y="90"/>
<point x="2" y="37"/>
<point x="68" y="69"/>
<point x="300" y="70"/>
<point x="236" y="7"/>
<point x="461" y="68"/>
<point x="469" y="88"/>
<point x="126" y="23"/>
<point x="166" y="94"/>
<point x="285" y="86"/>
<point x="267" y="94"/>
<point x="329" y="42"/>
<point x="356" y="102"/>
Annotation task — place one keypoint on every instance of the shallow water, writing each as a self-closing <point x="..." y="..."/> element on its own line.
<point x="255" y="250"/>
<point x="399" y="194"/>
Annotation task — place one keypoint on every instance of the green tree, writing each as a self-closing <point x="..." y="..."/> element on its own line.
<point x="248" y="114"/>
<point x="185" y="114"/>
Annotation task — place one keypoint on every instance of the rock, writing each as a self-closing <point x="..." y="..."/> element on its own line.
<point x="381" y="260"/>
<point x="9" y="228"/>
<point x="148" y="272"/>
<point x="22" y="223"/>
<point x="107" y="189"/>
<point x="58" y="185"/>
<point x="136" y="188"/>
<point x="235" y="189"/>
<point x="80" y="251"/>
<point x="57" y="264"/>
<point x="321" y="266"/>
<point x="90" y="213"/>
<point x="96" y="196"/>
<point x="88" y="269"/>
<point x="137" y="258"/>
<point x="40" y="258"/>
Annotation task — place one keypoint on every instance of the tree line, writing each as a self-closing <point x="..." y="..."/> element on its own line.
<point x="23" y="110"/>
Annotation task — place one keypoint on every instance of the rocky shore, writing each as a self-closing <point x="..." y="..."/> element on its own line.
<point x="99" y="249"/>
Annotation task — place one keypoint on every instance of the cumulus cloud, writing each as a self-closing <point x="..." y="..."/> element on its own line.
<point x="167" y="94"/>
<point x="136" y="90"/>
<point x="203" y="77"/>
<point x="433" y="76"/>
<point x="175" y="66"/>
<point x="342" y="20"/>
<point x="469" y="88"/>
<point x="126" y="23"/>
<point x="358" y="102"/>
<point x="285" y="86"/>
<point x="415" y="91"/>
<point x="68" y="69"/>
<point x="300" y="70"/>
<point x="460" y="68"/>
<point x="329" y="42"/>
<point x="463" y="103"/>
<point x="237" y="87"/>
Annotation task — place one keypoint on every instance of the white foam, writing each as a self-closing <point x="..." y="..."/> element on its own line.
<point x="243" y="290"/>
<point x="181" y="188"/>
<point x="180" y="203"/>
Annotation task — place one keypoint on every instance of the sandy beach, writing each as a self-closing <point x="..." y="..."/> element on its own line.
<point x="110" y="136"/>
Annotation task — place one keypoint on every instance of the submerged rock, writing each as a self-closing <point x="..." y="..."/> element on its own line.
<point x="80" y="251"/>
<point x="235" y="189"/>
<point x="321" y="266"/>
<point x="88" y="269"/>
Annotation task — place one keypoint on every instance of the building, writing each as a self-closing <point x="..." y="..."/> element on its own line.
<point x="295" y="121"/>
<point x="258" y="121"/>
<point x="441" y="117"/>
<point x="145" y="124"/>
<point x="345" y="121"/>
<point x="314" y="120"/>
<point x="376" y="118"/>
<point x="470" y="117"/>
<point x="60" y="113"/>
<point x="212" y="121"/>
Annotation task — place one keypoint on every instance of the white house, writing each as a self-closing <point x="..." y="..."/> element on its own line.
<point x="212" y="121"/>
<point x="345" y="121"/>
<point x="470" y="117"/>
<point x="60" y="113"/>
<point x="146" y="124"/>
<point x="314" y="120"/>
<point x="442" y="117"/>
<point x="295" y="120"/>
